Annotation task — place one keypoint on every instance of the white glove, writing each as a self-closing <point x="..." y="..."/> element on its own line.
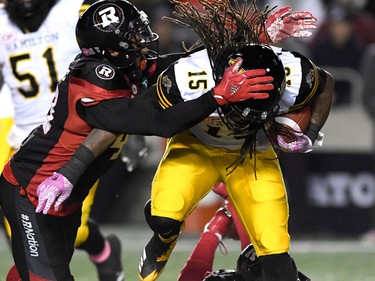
<point x="319" y="140"/>
<point x="56" y="188"/>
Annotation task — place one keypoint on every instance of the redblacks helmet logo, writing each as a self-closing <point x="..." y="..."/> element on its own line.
<point x="108" y="17"/>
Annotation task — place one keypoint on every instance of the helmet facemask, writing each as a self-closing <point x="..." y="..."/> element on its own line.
<point x="243" y="120"/>
<point x="135" y="61"/>
<point x="138" y="37"/>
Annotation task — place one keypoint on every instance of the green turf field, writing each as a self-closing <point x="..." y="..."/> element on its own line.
<point x="320" y="260"/>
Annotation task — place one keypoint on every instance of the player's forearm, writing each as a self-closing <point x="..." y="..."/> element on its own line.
<point x="144" y="116"/>
<point x="321" y="104"/>
<point x="93" y="146"/>
<point x="98" y="141"/>
<point x="77" y="165"/>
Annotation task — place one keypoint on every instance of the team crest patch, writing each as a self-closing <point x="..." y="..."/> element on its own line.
<point x="108" y="17"/>
<point x="167" y="83"/>
<point x="104" y="71"/>
<point x="134" y="90"/>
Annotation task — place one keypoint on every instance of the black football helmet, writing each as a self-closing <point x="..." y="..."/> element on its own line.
<point x="249" y="266"/>
<point x="247" y="117"/>
<point x="28" y="8"/>
<point x="115" y="25"/>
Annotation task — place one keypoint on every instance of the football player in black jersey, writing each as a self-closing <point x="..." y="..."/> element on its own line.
<point x="100" y="93"/>
<point x="45" y="27"/>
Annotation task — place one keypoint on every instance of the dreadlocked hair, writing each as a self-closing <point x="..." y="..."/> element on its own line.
<point x="248" y="147"/>
<point x="222" y="26"/>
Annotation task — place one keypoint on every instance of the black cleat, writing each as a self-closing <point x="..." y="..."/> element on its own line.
<point x="155" y="256"/>
<point x="111" y="269"/>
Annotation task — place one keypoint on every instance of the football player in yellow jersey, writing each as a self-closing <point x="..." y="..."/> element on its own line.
<point x="37" y="43"/>
<point x="232" y="145"/>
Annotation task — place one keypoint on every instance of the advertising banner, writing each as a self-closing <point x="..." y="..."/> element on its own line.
<point x="330" y="193"/>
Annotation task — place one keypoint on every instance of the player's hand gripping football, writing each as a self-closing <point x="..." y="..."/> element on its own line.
<point x="237" y="86"/>
<point x="55" y="189"/>
<point x="301" y="143"/>
<point x="284" y="23"/>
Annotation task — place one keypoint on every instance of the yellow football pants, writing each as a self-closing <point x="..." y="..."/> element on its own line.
<point x="189" y="169"/>
<point x="5" y="126"/>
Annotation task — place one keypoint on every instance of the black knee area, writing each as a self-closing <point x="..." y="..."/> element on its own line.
<point x="278" y="267"/>
<point x="95" y="241"/>
<point x="147" y="212"/>
<point x="166" y="227"/>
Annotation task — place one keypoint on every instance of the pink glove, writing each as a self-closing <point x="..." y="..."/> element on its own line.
<point x="301" y="144"/>
<point x="237" y="86"/>
<point x="55" y="188"/>
<point x="283" y="24"/>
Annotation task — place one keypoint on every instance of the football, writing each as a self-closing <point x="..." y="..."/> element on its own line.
<point x="297" y="120"/>
<point x="289" y="123"/>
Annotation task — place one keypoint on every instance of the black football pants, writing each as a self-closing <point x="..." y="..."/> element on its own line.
<point x="42" y="245"/>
